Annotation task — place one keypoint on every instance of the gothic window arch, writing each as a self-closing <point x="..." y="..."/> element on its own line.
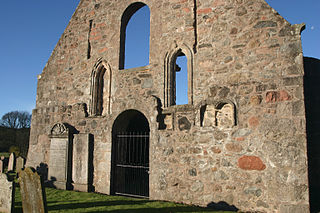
<point x="101" y="89"/>
<point x="171" y="68"/>
<point x="141" y="36"/>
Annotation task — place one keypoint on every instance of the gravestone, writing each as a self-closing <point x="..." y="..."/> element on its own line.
<point x="19" y="164"/>
<point x="1" y="166"/>
<point x="80" y="162"/>
<point x="32" y="191"/>
<point x="6" y="194"/>
<point x="11" y="164"/>
<point x="59" y="162"/>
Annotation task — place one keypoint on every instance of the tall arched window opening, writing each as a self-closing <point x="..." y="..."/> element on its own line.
<point x="135" y="36"/>
<point x="178" y="76"/>
<point x="181" y="80"/>
<point x="100" y="89"/>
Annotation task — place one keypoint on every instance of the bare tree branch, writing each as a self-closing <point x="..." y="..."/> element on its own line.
<point x="16" y="119"/>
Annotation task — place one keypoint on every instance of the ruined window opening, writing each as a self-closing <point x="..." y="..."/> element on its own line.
<point x="101" y="89"/>
<point x="181" y="80"/>
<point x="178" y="87"/>
<point x="134" y="36"/>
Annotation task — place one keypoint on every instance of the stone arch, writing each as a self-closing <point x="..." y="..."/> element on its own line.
<point x="126" y="16"/>
<point x="169" y="73"/>
<point x="101" y="89"/>
<point x="130" y="154"/>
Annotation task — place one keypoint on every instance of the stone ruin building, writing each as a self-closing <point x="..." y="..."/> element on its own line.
<point x="239" y="141"/>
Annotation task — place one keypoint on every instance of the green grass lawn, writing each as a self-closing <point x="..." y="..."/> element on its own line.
<point x="71" y="201"/>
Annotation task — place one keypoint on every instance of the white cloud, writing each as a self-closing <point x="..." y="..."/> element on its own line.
<point x="312" y="28"/>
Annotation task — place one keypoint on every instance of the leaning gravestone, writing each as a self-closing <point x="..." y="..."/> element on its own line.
<point x="6" y="194"/>
<point x="32" y="192"/>
<point x="11" y="162"/>
<point x="19" y="164"/>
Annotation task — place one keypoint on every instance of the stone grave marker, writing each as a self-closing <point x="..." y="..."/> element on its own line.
<point x="32" y="191"/>
<point x="1" y="166"/>
<point x="6" y="194"/>
<point x="80" y="164"/>
<point x="19" y="164"/>
<point x="59" y="161"/>
<point x="11" y="164"/>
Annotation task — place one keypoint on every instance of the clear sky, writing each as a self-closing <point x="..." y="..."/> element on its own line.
<point x="30" y="30"/>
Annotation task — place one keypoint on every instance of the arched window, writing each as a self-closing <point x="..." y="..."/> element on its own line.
<point x="181" y="80"/>
<point x="100" y="89"/>
<point x="178" y="80"/>
<point x="134" y="36"/>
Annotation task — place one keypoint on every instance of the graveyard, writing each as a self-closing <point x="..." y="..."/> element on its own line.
<point x="23" y="190"/>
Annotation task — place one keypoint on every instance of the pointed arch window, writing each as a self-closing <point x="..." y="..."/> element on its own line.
<point x="134" y="36"/>
<point x="178" y="82"/>
<point x="101" y="89"/>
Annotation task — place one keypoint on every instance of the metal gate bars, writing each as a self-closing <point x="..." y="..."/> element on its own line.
<point x="131" y="164"/>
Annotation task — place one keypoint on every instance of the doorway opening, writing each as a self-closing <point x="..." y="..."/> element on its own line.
<point x="130" y="155"/>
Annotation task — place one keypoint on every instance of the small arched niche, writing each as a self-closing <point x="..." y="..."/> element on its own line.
<point x="222" y="115"/>
<point x="225" y="115"/>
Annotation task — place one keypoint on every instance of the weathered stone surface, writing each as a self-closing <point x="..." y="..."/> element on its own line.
<point x="12" y="162"/>
<point x="232" y="147"/>
<point x="299" y="208"/>
<point x="251" y="163"/>
<point x="7" y="192"/>
<point x="274" y="96"/>
<point x="184" y="124"/>
<point x="245" y="97"/>
<point x="81" y="162"/>
<point x="19" y="164"/>
<point x="59" y="162"/>
<point x="255" y="100"/>
<point x="1" y="166"/>
<point x="32" y="191"/>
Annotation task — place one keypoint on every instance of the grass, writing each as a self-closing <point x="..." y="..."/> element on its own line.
<point x="71" y="201"/>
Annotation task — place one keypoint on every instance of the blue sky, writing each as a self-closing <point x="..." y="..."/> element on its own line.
<point x="31" y="29"/>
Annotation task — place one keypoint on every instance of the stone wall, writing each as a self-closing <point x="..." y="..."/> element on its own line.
<point x="242" y="137"/>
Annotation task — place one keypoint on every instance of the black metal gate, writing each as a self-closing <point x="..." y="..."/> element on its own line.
<point x="131" y="164"/>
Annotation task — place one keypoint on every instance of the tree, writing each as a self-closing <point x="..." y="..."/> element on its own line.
<point x="16" y="119"/>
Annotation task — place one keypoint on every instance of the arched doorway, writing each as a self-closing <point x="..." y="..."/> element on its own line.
<point x="130" y="155"/>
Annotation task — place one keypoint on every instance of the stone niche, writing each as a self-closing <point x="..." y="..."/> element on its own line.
<point x="220" y="115"/>
<point x="60" y="154"/>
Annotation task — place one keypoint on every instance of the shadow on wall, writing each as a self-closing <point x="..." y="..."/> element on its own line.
<point x="223" y="206"/>
<point x="312" y="105"/>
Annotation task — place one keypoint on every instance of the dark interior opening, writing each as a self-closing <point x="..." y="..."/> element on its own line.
<point x="130" y="155"/>
<point x="312" y="105"/>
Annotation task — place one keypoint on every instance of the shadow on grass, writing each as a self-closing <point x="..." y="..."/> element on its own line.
<point x="147" y="209"/>
<point x="94" y="204"/>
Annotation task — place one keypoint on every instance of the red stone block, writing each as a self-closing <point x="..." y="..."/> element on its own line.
<point x="284" y="96"/>
<point x="186" y="9"/>
<point x="254" y="121"/>
<point x="251" y="163"/>
<point x="271" y="97"/>
<point x="204" y="11"/>
<point x="274" y="96"/>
